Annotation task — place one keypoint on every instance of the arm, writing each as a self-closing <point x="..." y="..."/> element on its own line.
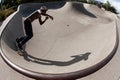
<point x="48" y="16"/>
<point x="42" y="22"/>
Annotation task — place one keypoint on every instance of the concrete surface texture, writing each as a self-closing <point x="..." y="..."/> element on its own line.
<point x="118" y="16"/>
<point x="80" y="37"/>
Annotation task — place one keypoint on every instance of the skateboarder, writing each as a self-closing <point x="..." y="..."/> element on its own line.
<point x="28" y="26"/>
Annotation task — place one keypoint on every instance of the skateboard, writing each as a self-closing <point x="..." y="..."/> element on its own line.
<point x="20" y="51"/>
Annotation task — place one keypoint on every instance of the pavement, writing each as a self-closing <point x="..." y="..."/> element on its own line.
<point x="81" y="40"/>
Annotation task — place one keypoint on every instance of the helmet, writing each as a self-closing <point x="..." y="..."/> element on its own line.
<point x="43" y="8"/>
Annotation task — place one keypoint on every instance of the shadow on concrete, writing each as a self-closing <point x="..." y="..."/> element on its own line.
<point x="79" y="7"/>
<point x="76" y="58"/>
<point x="13" y="30"/>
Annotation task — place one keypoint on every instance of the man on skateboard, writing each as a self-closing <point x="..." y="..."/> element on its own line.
<point x="28" y="26"/>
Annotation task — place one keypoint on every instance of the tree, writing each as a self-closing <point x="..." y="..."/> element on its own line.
<point x="107" y="5"/>
<point x="84" y="1"/>
<point x="112" y="9"/>
<point x="1" y="3"/>
<point x="91" y="1"/>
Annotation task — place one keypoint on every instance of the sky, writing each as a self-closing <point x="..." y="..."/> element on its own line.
<point x="115" y="3"/>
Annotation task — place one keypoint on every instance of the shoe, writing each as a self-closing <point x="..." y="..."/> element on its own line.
<point x="17" y="40"/>
<point x="18" y="44"/>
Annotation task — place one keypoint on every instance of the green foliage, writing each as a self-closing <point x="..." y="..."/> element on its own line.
<point x="91" y="1"/>
<point x="19" y="1"/>
<point x="112" y="9"/>
<point x="84" y="1"/>
<point x="22" y="1"/>
<point x="107" y="5"/>
<point x="1" y="16"/>
<point x="5" y="13"/>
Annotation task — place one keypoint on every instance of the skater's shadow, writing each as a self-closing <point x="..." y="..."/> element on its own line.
<point x="75" y="59"/>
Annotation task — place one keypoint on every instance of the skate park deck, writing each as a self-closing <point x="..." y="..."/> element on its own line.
<point x="79" y="38"/>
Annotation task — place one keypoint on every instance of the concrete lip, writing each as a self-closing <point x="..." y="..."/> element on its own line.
<point x="79" y="41"/>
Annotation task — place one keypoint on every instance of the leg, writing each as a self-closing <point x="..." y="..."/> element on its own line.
<point x="29" y="33"/>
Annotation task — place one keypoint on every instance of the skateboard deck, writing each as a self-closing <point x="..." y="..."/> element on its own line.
<point x="20" y="51"/>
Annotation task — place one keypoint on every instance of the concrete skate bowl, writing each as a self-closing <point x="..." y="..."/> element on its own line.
<point x="118" y="16"/>
<point x="80" y="40"/>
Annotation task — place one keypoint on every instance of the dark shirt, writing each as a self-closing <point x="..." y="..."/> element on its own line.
<point x="34" y="15"/>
